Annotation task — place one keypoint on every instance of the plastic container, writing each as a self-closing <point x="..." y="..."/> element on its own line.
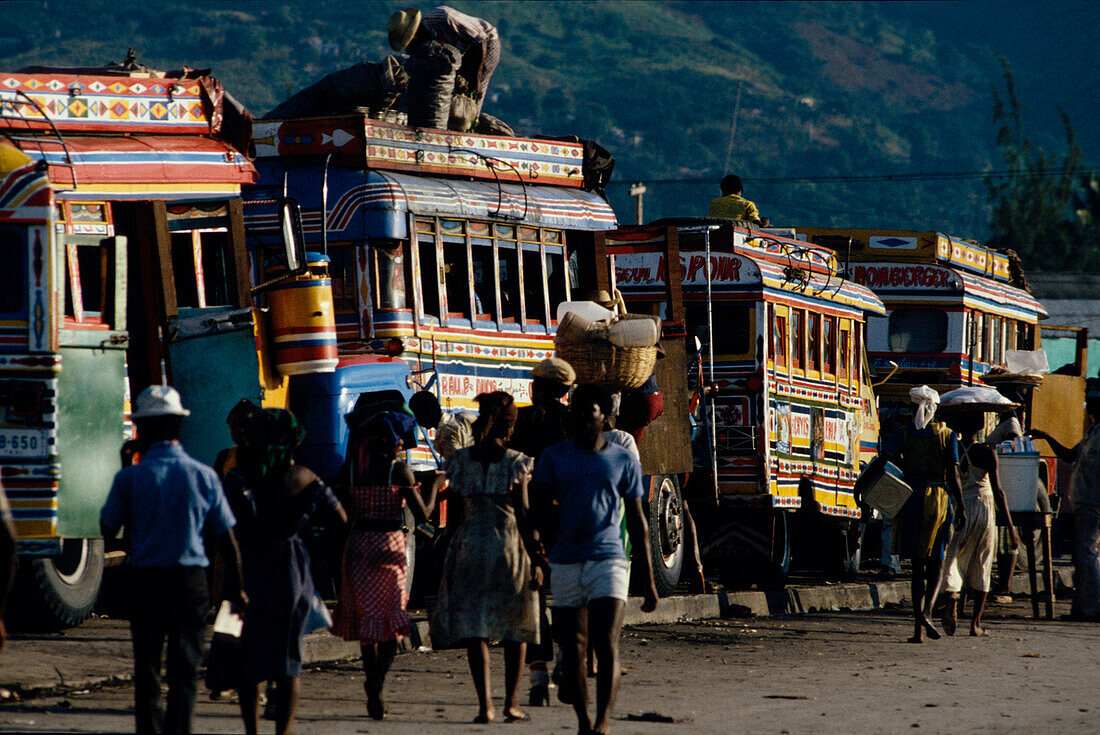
<point x="887" y="491"/>
<point x="640" y="332"/>
<point x="589" y="310"/>
<point x="1019" y="476"/>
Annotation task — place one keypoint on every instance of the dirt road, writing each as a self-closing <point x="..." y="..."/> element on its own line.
<point x="819" y="673"/>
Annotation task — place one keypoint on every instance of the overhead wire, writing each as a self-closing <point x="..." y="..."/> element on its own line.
<point x="848" y="179"/>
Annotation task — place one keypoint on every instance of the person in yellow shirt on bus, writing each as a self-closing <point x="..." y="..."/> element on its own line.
<point x="732" y="205"/>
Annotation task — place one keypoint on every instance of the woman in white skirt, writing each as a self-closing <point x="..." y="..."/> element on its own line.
<point x="969" y="562"/>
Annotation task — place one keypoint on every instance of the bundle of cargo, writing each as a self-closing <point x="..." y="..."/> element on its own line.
<point x="615" y="350"/>
<point x="1023" y="369"/>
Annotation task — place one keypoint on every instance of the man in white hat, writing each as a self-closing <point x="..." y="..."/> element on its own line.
<point x="166" y="503"/>
<point x="477" y="40"/>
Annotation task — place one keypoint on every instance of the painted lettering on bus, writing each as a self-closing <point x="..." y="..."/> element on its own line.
<point x="883" y="276"/>
<point x="636" y="271"/>
<point x="800" y="425"/>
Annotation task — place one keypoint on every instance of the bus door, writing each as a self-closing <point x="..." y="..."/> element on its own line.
<point x="91" y="388"/>
<point x="191" y="318"/>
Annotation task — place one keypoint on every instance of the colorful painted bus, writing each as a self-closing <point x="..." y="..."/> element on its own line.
<point x="954" y="308"/>
<point x="448" y="253"/>
<point x="790" y="416"/>
<point x="122" y="237"/>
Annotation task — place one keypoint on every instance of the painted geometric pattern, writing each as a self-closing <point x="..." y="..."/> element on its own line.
<point x="973" y="258"/>
<point x="104" y="102"/>
<point x="390" y="146"/>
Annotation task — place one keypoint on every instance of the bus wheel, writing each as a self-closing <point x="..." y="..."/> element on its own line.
<point x="842" y="551"/>
<point x="772" y="574"/>
<point x="666" y="533"/>
<point x="58" y="592"/>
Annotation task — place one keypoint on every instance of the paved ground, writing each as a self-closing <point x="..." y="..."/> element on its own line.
<point x="808" y="673"/>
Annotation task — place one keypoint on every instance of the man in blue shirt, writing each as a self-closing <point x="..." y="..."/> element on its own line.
<point x="166" y="503"/>
<point x="589" y="573"/>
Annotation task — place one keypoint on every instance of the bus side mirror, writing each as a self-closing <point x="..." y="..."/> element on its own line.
<point x="290" y="226"/>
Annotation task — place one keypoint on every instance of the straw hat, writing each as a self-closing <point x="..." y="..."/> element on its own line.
<point x="402" y="26"/>
<point x="159" y="400"/>
<point x="555" y="369"/>
<point x="603" y="298"/>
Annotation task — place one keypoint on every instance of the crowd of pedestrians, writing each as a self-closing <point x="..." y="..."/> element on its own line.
<point x="516" y="527"/>
<point x="545" y="503"/>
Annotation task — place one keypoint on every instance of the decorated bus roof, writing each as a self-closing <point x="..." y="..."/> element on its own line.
<point x="141" y="166"/>
<point x="376" y="203"/>
<point x="762" y="264"/>
<point x="915" y="283"/>
<point x="912" y="246"/>
<point x="373" y="144"/>
<point x="67" y="101"/>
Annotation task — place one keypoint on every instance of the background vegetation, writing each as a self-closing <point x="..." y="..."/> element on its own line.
<point x="860" y="114"/>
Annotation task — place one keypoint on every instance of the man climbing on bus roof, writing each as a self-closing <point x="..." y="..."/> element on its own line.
<point x="732" y="205"/>
<point x="477" y="40"/>
<point x="166" y="502"/>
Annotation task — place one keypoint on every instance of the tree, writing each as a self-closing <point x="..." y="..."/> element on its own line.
<point x="1043" y="207"/>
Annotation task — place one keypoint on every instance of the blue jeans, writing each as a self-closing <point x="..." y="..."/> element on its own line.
<point x="1086" y="561"/>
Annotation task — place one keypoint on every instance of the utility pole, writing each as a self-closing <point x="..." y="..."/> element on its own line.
<point x="636" y="191"/>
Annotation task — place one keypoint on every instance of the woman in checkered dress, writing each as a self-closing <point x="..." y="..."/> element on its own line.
<point x="373" y="592"/>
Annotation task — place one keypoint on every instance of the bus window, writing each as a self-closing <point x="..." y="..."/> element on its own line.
<point x="187" y="276"/>
<point x="828" y="344"/>
<point x="218" y="273"/>
<point x="845" y="351"/>
<point x="345" y="281"/>
<point x="734" y="326"/>
<point x="777" y="339"/>
<point x="986" y="344"/>
<point x="813" y="338"/>
<point x="485" y="297"/>
<point x="509" y="284"/>
<point x="555" y="282"/>
<point x="429" y="278"/>
<point x="919" y="331"/>
<point x="798" y="339"/>
<point x="87" y="282"/>
<point x="534" y="294"/>
<point x="390" y="274"/>
<point x="13" y="276"/>
<point x="457" y="278"/>
<point x="858" y="351"/>
<point x="996" y="357"/>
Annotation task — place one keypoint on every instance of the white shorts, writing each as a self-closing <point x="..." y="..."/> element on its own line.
<point x="576" y="585"/>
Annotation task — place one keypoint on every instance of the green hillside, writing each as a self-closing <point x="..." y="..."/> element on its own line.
<point x="820" y="90"/>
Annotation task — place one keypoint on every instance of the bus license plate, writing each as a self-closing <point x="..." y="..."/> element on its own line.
<point x="23" y="443"/>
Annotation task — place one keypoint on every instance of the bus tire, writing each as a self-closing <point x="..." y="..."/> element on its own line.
<point x="666" y="533"/>
<point x="59" y="592"/>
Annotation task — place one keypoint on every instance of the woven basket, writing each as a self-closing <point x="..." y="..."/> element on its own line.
<point x="602" y="363"/>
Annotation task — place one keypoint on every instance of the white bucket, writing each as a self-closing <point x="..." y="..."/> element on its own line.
<point x="888" y="492"/>
<point x="1019" y="476"/>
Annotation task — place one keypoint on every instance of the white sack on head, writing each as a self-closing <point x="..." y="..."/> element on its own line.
<point x="926" y="400"/>
<point x="974" y="394"/>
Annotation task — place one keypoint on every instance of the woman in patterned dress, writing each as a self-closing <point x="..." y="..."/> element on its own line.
<point x="489" y="584"/>
<point x="273" y="499"/>
<point x="373" y="592"/>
